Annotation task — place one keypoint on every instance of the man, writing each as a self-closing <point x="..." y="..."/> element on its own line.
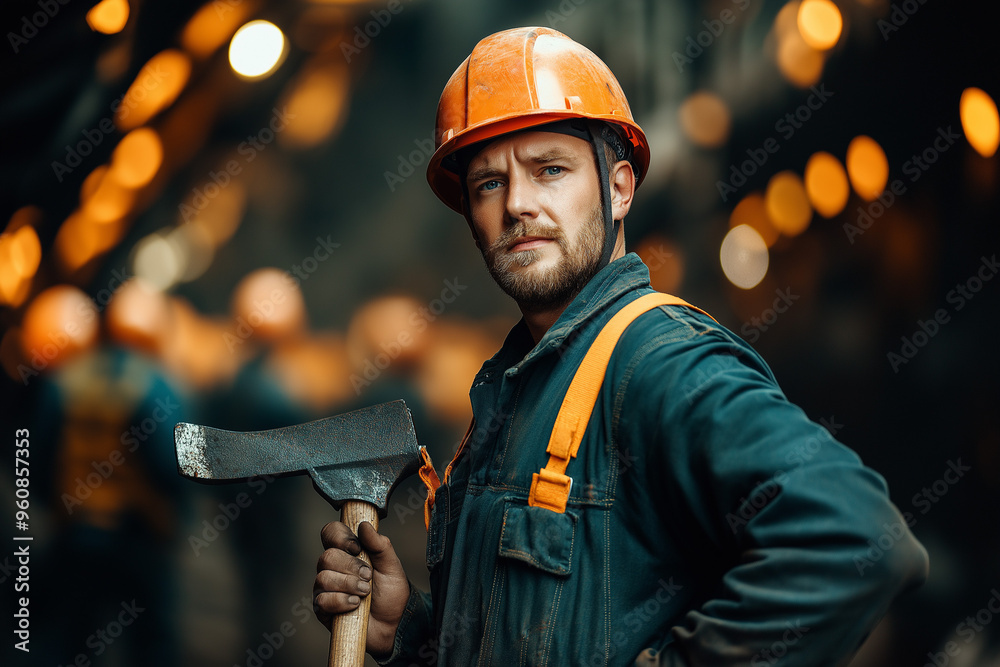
<point x="699" y="518"/>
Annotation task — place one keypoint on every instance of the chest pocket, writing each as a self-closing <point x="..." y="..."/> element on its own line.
<point x="538" y="537"/>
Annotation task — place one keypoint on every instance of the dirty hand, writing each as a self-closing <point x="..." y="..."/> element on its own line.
<point x="342" y="580"/>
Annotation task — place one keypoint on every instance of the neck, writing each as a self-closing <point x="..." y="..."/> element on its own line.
<point x="540" y="321"/>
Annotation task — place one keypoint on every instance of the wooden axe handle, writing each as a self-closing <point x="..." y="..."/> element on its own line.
<point x="349" y="631"/>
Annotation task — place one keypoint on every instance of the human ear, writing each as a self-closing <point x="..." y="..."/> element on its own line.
<point x="622" y="181"/>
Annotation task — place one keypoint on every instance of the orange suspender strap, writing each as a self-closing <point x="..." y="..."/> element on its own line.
<point x="550" y="486"/>
<point x="429" y="476"/>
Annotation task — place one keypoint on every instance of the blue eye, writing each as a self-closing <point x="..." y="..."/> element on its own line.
<point x="553" y="171"/>
<point x="490" y="185"/>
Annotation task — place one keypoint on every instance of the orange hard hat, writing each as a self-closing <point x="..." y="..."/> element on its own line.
<point x="518" y="79"/>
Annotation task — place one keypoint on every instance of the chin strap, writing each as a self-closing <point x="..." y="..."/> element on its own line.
<point x="599" y="134"/>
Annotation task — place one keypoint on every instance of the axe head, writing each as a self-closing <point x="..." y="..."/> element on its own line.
<point x="360" y="455"/>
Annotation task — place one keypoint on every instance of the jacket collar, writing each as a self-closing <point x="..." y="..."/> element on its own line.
<point x="614" y="280"/>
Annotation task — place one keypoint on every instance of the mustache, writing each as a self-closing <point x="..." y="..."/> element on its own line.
<point x="525" y="229"/>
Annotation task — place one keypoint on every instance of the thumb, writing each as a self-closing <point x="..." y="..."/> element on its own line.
<point x="379" y="550"/>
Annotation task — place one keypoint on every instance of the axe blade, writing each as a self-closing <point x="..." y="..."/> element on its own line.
<point x="359" y="455"/>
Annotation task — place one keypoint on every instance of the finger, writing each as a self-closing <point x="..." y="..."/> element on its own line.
<point x="341" y="561"/>
<point x="380" y="551"/>
<point x="329" y="581"/>
<point x="329" y="604"/>
<point x="337" y="535"/>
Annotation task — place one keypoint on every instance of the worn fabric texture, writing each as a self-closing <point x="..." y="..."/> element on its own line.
<point x="710" y="521"/>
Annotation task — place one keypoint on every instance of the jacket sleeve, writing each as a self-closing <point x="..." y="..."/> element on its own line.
<point x="413" y="643"/>
<point x="811" y="550"/>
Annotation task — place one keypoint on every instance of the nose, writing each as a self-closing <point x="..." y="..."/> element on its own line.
<point x="522" y="197"/>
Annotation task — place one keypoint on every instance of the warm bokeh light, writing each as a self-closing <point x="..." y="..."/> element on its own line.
<point x="980" y="121"/>
<point x="819" y="23"/>
<point x="20" y="255"/>
<point x="137" y="158"/>
<point x="220" y="216"/>
<point x="157" y="261"/>
<point x="786" y="20"/>
<point x="455" y="356"/>
<point x="156" y="86"/>
<point x="744" y="257"/>
<point x="108" y="16"/>
<point x="316" y="105"/>
<point x="799" y="63"/>
<point x="256" y="49"/>
<point x="139" y="316"/>
<point x="58" y="323"/>
<point x="314" y="371"/>
<point x="210" y="28"/>
<point x="110" y="201"/>
<point x="199" y="351"/>
<point x="826" y="184"/>
<point x="81" y="239"/>
<point x="391" y="328"/>
<point x="270" y="304"/>
<point x="194" y="246"/>
<point x="705" y="119"/>
<point x="665" y="262"/>
<point x="752" y="211"/>
<point x="787" y="203"/>
<point x="867" y="167"/>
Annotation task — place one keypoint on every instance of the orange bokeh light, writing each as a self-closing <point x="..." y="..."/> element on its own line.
<point x="156" y="86"/>
<point x="137" y="158"/>
<point x="867" y="167"/>
<point x="980" y="121"/>
<point x="826" y="184"/>
<point x="752" y="212"/>
<point x="787" y="203"/>
<point x="819" y="23"/>
<point x="108" y="16"/>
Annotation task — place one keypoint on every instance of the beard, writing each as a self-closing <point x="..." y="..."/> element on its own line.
<point x="537" y="290"/>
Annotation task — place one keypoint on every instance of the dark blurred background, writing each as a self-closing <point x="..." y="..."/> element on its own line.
<point x="234" y="228"/>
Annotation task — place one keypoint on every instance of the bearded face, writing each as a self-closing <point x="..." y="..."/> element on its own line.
<point x="535" y="281"/>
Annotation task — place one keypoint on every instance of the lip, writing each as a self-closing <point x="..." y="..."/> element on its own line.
<point x="528" y="243"/>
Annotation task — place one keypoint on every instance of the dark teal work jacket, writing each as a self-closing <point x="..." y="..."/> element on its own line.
<point x="710" y="522"/>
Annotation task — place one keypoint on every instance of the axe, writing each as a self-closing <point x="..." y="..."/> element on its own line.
<point x="355" y="461"/>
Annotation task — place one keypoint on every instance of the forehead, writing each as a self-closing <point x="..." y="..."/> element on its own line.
<point x="532" y="146"/>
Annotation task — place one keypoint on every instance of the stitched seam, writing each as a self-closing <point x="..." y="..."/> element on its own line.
<point x="510" y="427"/>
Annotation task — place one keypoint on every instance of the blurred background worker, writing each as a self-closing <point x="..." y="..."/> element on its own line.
<point x="823" y="180"/>
<point x="104" y="425"/>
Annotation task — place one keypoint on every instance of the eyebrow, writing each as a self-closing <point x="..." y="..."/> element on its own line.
<point x="545" y="157"/>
